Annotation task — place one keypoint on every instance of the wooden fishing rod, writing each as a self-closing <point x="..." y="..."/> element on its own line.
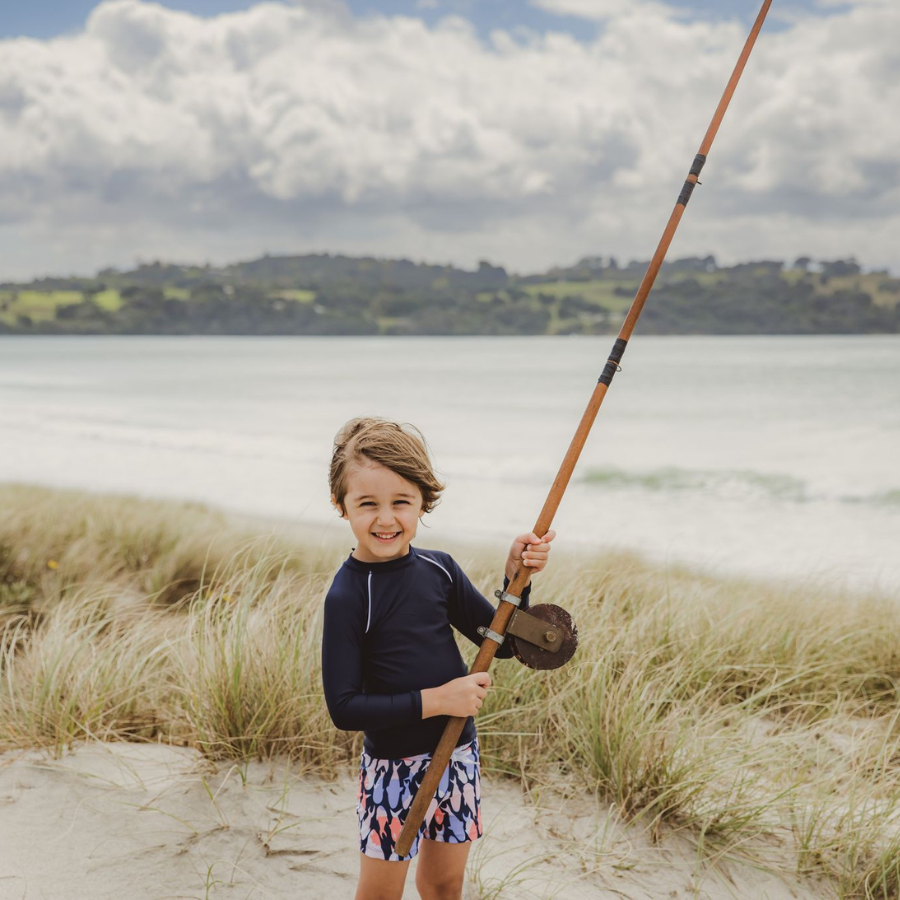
<point x="509" y="600"/>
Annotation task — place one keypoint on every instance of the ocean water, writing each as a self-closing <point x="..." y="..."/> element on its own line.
<point x="769" y="456"/>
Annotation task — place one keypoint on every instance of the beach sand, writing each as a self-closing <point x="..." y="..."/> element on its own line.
<point x="156" y="822"/>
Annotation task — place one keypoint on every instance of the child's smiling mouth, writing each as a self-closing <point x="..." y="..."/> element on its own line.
<point x="386" y="537"/>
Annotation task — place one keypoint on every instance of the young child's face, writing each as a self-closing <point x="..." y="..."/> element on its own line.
<point x="383" y="510"/>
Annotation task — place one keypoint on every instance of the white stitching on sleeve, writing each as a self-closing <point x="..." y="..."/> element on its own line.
<point x="434" y="562"/>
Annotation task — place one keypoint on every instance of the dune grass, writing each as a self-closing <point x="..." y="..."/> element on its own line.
<point x="743" y="714"/>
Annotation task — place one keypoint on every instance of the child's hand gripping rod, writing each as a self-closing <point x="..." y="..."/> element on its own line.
<point x="505" y="609"/>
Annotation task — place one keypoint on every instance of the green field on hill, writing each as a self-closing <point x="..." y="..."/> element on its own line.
<point x="319" y="295"/>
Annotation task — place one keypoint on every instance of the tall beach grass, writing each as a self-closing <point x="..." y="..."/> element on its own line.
<point x="748" y="715"/>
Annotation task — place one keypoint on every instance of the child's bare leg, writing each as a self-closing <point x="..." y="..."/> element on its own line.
<point x="441" y="870"/>
<point x="380" y="879"/>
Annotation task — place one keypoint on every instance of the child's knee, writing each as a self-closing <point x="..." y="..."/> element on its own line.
<point x="439" y="886"/>
<point x="369" y="891"/>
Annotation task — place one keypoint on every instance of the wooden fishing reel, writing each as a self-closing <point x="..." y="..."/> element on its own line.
<point x="541" y="637"/>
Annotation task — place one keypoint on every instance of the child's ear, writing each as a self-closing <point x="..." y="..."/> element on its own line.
<point x="340" y="509"/>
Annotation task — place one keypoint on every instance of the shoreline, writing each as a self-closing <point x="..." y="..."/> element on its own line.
<point x="331" y="534"/>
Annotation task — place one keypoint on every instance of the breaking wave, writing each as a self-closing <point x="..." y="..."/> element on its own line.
<point x="730" y="484"/>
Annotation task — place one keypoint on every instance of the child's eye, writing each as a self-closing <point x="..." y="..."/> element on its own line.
<point x="402" y="501"/>
<point x="367" y="503"/>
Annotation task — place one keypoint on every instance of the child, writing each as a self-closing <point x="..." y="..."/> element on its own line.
<point x="390" y="664"/>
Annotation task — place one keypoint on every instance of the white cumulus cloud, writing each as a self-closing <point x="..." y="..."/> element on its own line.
<point x="291" y="128"/>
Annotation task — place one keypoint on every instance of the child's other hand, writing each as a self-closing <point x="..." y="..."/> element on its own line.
<point x="529" y="550"/>
<point x="462" y="697"/>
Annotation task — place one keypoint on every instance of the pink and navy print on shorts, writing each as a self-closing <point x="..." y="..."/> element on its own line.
<point x="386" y="791"/>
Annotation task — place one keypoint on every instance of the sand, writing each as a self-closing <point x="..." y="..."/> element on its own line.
<point x="135" y="822"/>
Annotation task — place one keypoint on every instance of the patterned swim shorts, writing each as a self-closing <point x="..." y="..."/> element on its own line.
<point x="386" y="791"/>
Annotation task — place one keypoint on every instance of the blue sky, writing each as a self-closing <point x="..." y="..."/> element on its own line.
<point x="48" y="18"/>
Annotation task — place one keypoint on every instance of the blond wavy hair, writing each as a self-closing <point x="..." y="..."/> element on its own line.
<point x="400" y="448"/>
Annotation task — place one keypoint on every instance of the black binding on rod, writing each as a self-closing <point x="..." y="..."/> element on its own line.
<point x="612" y="364"/>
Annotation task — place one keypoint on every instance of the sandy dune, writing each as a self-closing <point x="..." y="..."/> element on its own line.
<point x="152" y="822"/>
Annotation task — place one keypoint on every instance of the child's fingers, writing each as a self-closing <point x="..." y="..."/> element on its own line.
<point x="536" y="554"/>
<point x="531" y="549"/>
<point x="538" y="548"/>
<point x="532" y="539"/>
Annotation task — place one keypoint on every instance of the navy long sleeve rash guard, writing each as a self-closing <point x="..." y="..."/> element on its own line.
<point x="388" y="635"/>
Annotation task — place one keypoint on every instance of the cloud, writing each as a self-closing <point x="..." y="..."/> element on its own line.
<point x="291" y="128"/>
<point x="603" y="9"/>
<point x="843" y="4"/>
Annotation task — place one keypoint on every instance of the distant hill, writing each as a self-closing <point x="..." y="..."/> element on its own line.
<point x="314" y="271"/>
<point x="321" y="294"/>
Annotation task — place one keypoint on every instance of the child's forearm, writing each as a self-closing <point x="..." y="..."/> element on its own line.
<point x="432" y="702"/>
